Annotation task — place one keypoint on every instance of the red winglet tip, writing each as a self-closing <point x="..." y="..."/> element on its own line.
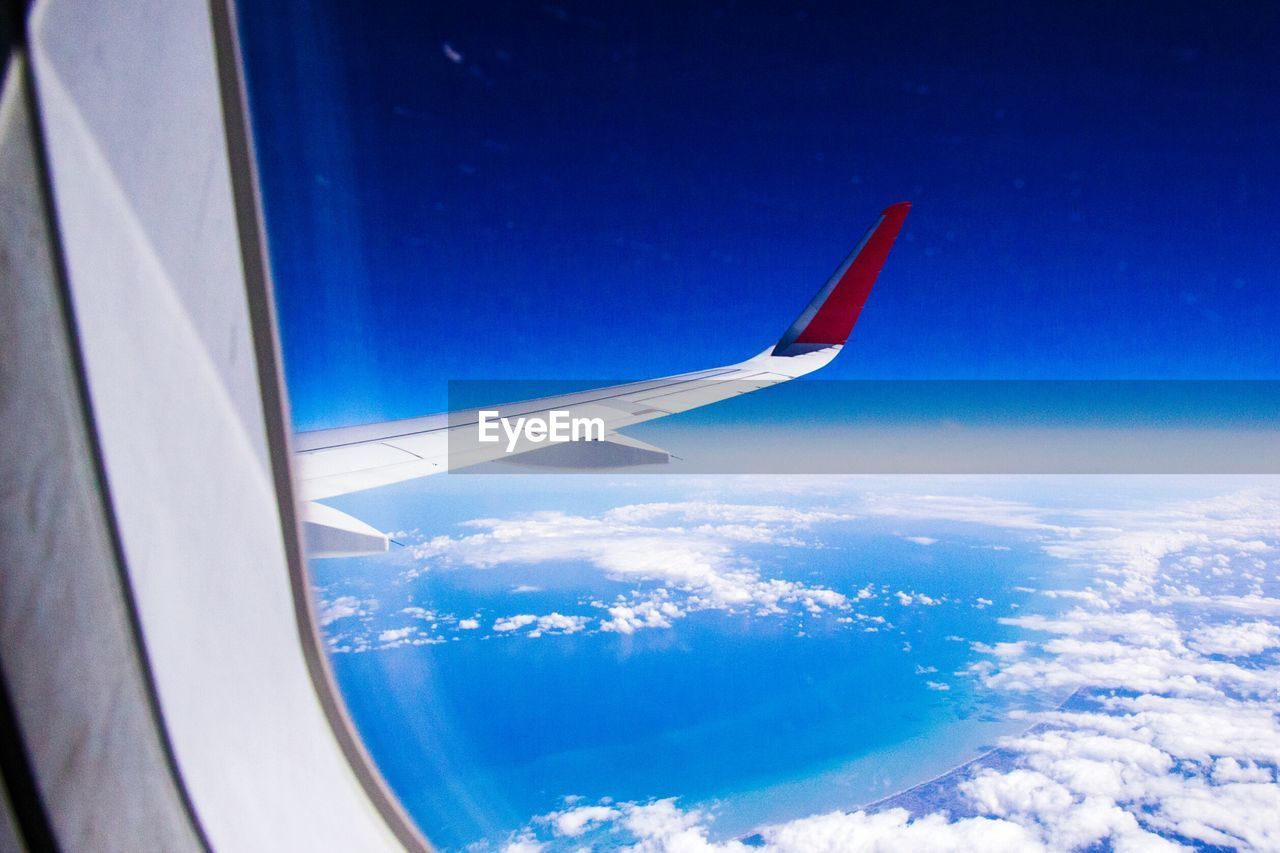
<point x="830" y="317"/>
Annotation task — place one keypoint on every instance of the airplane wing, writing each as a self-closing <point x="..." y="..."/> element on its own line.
<point x="340" y="461"/>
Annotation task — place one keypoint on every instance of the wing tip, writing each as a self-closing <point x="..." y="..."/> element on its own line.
<point x="830" y="316"/>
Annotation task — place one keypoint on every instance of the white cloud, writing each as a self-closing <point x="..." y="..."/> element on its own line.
<point x="524" y="844"/>
<point x="906" y="599"/>
<point x="893" y="830"/>
<point x="1187" y="744"/>
<point x="558" y="623"/>
<point x="552" y="623"/>
<point x="468" y="624"/>
<point x="661" y="825"/>
<point x="575" y="821"/>
<point x="973" y="509"/>
<point x="1236" y="639"/>
<point x="655" y="611"/>
<point x="339" y="608"/>
<point x="425" y="615"/>
<point x="1001" y="650"/>
<point x="393" y="638"/>
<point x="1227" y="770"/>
<point x="1175" y="729"/>
<point x="392" y="635"/>
<point x="514" y="623"/>
<point x="688" y="548"/>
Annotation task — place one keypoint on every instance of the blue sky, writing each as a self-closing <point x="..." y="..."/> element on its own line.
<point x="490" y="191"/>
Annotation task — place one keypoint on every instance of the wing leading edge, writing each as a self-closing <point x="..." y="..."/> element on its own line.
<point x="340" y="461"/>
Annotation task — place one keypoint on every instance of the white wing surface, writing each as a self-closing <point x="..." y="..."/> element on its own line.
<point x="340" y="461"/>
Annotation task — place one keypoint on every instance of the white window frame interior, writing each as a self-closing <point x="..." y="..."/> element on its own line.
<point x="140" y="115"/>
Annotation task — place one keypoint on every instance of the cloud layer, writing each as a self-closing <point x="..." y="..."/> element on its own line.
<point x="1171" y="740"/>
<point x="679" y="557"/>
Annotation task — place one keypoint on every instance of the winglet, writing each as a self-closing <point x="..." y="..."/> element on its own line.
<point x="829" y="318"/>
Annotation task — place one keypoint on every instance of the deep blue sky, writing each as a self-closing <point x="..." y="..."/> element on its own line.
<point x="490" y="190"/>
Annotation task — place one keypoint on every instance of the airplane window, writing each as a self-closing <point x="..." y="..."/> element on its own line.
<point x="492" y="224"/>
